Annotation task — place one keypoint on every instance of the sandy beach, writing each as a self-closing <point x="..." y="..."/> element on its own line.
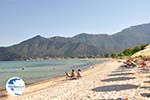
<point x="105" y="81"/>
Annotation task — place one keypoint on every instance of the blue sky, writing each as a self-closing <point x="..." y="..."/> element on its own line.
<point x="23" y="19"/>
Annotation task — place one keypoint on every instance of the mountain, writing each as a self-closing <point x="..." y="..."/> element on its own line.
<point x="81" y="45"/>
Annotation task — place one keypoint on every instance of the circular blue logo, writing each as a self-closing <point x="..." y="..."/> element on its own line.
<point x="15" y="86"/>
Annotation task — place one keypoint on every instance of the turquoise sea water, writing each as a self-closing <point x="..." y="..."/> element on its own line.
<point x="39" y="70"/>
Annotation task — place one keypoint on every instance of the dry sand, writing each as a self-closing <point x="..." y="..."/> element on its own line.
<point x="101" y="82"/>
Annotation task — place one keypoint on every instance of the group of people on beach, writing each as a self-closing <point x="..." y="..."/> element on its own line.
<point x="140" y="61"/>
<point x="74" y="74"/>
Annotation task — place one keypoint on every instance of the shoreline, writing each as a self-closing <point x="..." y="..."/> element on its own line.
<point x="53" y="79"/>
<point x="60" y="59"/>
<point x="34" y="91"/>
<point x="60" y="74"/>
<point x="63" y="75"/>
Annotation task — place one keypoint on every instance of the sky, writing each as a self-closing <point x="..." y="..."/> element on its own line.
<point x="24" y="19"/>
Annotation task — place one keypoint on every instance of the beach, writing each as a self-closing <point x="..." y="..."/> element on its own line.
<point x="106" y="81"/>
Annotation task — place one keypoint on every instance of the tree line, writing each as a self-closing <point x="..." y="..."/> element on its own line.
<point x="129" y="51"/>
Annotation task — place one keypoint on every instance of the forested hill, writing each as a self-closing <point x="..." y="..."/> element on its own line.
<point x="81" y="45"/>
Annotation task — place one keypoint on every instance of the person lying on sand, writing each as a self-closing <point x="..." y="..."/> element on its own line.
<point x="129" y="63"/>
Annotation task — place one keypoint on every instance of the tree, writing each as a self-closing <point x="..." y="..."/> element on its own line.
<point x="106" y="55"/>
<point x="114" y="55"/>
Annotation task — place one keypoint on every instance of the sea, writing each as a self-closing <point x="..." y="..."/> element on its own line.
<point x="32" y="71"/>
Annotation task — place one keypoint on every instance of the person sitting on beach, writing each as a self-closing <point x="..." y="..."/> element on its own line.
<point x="79" y="73"/>
<point x="73" y="74"/>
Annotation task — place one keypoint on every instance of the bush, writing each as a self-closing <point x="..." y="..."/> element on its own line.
<point x="129" y="51"/>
